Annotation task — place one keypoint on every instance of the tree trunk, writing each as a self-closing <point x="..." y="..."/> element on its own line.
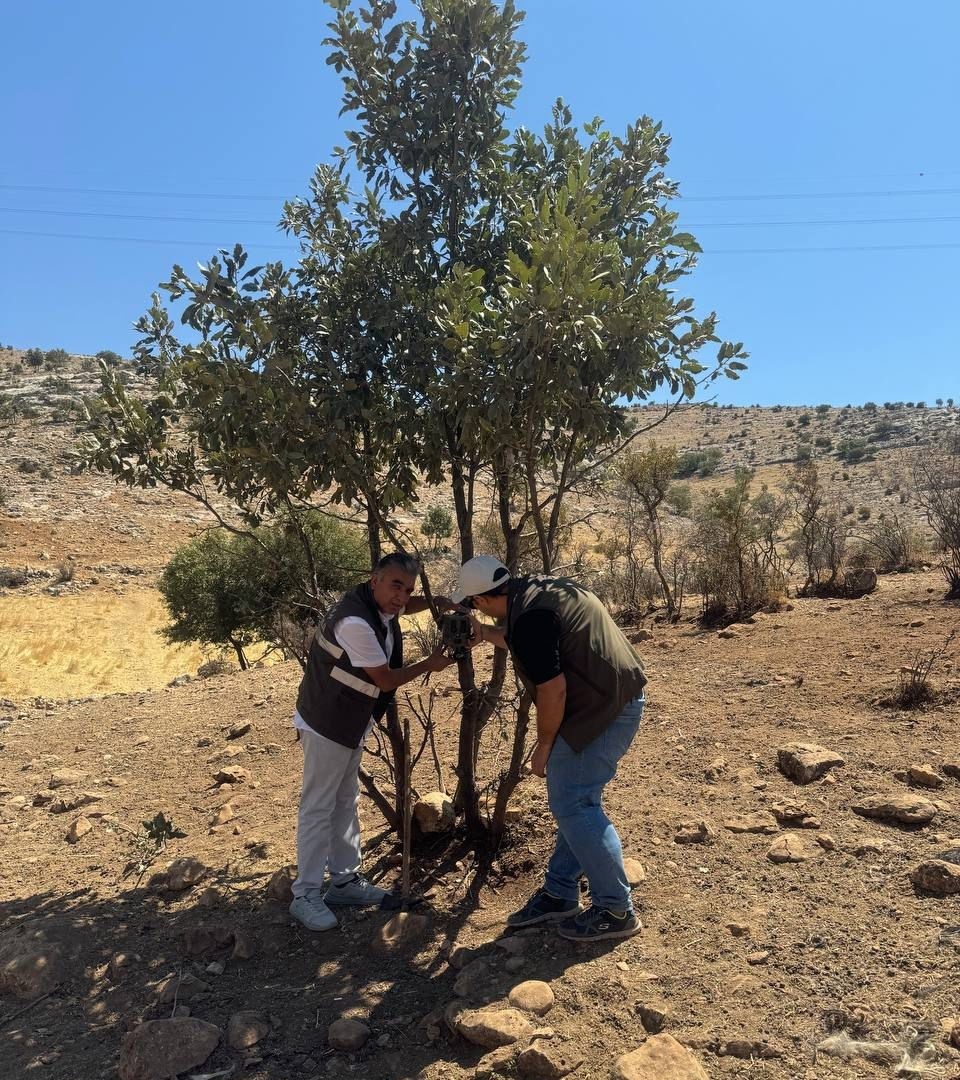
<point x="510" y="779"/>
<point x="241" y="656"/>
<point x="379" y="799"/>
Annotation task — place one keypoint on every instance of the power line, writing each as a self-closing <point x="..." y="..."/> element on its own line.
<point x="273" y="222"/>
<point x="280" y="247"/>
<point x="687" y="198"/>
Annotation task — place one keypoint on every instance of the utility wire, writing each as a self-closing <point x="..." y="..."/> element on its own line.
<point x="686" y="198"/>
<point x="281" y="247"/>
<point x="273" y="222"/>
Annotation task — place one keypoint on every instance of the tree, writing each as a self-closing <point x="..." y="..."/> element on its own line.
<point x="821" y="536"/>
<point x="437" y="525"/>
<point x="34" y="358"/>
<point x="219" y="589"/>
<point x="936" y="476"/>
<point x="478" y="311"/>
<point x="110" y="358"/>
<point x="56" y="359"/>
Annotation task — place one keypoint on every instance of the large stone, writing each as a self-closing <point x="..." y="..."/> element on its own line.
<point x="790" y="848"/>
<point x="66" y="778"/>
<point x="493" y="1027"/>
<point x="203" y="939"/>
<point x="180" y="875"/>
<point x="548" y="1060"/>
<point x="954" y="1037"/>
<point x="806" y="762"/>
<point x="246" y="1029"/>
<point x="347" y="1034"/>
<point x="232" y="774"/>
<point x="160" y="1049"/>
<point x="858" y="581"/>
<point x="952" y="769"/>
<point x="179" y="988"/>
<point x="434" y="813"/>
<point x="937" y="876"/>
<point x="636" y="874"/>
<point x="29" y="966"/>
<point x="79" y="828"/>
<point x="497" y="1064"/>
<point x="925" y="776"/>
<point x="660" y="1058"/>
<point x="280" y="885"/>
<point x="794" y="816"/>
<point x="533" y="996"/>
<point x="903" y="809"/>
<point x="402" y="931"/>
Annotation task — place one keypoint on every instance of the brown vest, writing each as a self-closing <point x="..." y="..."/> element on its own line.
<point x="602" y="670"/>
<point x="336" y="699"/>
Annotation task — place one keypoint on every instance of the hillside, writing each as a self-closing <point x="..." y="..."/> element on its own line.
<point x="749" y="962"/>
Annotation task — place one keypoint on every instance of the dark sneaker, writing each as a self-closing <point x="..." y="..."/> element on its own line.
<point x="355" y="892"/>
<point x="598" y="924"/>
<point x="543" y="907"/>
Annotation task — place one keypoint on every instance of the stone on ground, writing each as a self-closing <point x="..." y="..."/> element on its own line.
<point x="400" y="932"/>
<point x="280" y="886"/>
<point x="693" y="832"/>
<point x="952" y="769"/>
<point x="79" y="828"/>
<point x="904" y="809"/>
<point x="180" y="875"/>
<point x="493" y="1027"/>
<point x="790" y="848"/>
<point x="246" y="1029"/>
<point x="434" y="812"/>
<point x="347" y="1034"/>
<point x="471" y="979"/>
<point x="66" y="778"/>
<point x="938" y="877"/>
<point x="636" y="874"/>
<point x="29" y="966"/>
<point x="793" y="815"/>
<point x="181" y="988"/>
<point x="160" y="1049"/>
<point x="925" y="776"/>
<point x="806" y="762"/>
<point x="546" y="1060"/>
<point x="237" y="731"/>
<point x="533" y="996"/>
<point x="232" y="774"/>
<point x="751" y="823"/>
<point x="660" y="1058"/>
<point x="244" y="946"/>
<point x="497" y="1064"/>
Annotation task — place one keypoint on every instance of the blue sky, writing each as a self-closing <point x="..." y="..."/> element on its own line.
<point x="816" y="145"/>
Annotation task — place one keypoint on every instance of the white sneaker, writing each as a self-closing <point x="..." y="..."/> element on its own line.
<point x="313" y="913"/>
<point x="355" y="892"/>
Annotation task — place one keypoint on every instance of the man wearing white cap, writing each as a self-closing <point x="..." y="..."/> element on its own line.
<point x="587" y="683"/>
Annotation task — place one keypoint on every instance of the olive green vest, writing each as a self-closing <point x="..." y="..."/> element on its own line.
<point x="602" y="670"/>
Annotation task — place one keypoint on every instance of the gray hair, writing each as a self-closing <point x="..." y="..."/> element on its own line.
<point x="409" y="564"/>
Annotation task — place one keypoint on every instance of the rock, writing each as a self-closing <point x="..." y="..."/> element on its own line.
<point x="827" y="842"/>
<point x="280" y="886"/>
<point x="533" y="996"/>
<point x="925" y="776"/>
<point x="905" y="809"/>
<point x="654" y="1015"/>
<point x="215" y="968"/>
<point x="660" y="1058"/>
<point x="70" y="802"/>
<point x="493" y="1027"/>
<point x="636" y="874"/>
<point x="806" y="762"/>
<point x="239" y="730"/>
<point x="954" y="1036"/>
<point x="460" y="956"/>
<point x="223" y="815"/>
<point x="952" y="769"/>
<point x="244" y="946"/>
<point x="400" y="932"/>
<point x="65" y="778"/>
<point x="246" y="1029"/>
<point x="739" y="929"/>
<point x="344" y="1034"/>
<point x="434" y="813"/>
<point x="160" y="1049"/>
<point x="728" y="633"/>
<point x="761" y="956"/>
<point x="118" y="966"/>
<point x="937" y="876"/>
<point x="548" y="1060"/>
<point x="747" y="1049"/>
<point x="793" y="815"/>
<point x="203" y="939"/>
<point x="471" y="979"/>
<point x="79" y="828"/>
<point x="858" y="581"/>
<point x="693" y="832"/>
<point x="715" y="770"/>
<point x="29" y="966"/>
<point x="514" y="964"/>
<point x="183" y="874"/>
<point x="178" y="988"/>
<point x="790" y="848"/>
<point x="643" y="634"/>
<point x="209" y="898"/>
<point x="232" y="774"/>
<point x="513" y="946"/>
<point x="752" y="823"/>
<point x="497" y="1064"/>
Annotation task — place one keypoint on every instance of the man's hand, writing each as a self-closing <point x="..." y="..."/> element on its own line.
<point x="538" y="763"/>
<point x="444" y="603"/>
<point x="476" y="632"/>
<point x="438" y="660"/>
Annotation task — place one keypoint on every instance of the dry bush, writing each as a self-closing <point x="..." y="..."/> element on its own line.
<point x="890" y="546"/>
<point x="936" y="474"/>
<point x="915" y="690"/>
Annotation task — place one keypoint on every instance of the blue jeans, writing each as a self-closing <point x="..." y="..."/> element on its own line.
<point x="587" y="842"/>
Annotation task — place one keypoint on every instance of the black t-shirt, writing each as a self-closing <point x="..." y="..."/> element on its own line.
<point x="535" y="641"/>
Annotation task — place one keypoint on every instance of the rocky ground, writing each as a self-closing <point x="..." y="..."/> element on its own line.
<point x="783" y="921"/>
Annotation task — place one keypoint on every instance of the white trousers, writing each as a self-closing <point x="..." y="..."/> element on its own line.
<point x="328" y="825"/>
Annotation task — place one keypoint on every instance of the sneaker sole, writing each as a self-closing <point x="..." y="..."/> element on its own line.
<point x="553" y="916"/>
<point x="352" y="903"/>
<point x="608" y="935"/>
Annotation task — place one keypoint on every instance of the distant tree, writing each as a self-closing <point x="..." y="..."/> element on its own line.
<point x="109" y="357"/>
<point x="803" y="419"/>
<point x="56" y="359"/>
<point x="936" y="476"/>
<point x="950" y="402"/>
<point x="871" y="406"/>
<point x="437" y="525"/>
<point x="822" y="410"/>
<point x="939" y="402"/>
<point x="34" y="358"/>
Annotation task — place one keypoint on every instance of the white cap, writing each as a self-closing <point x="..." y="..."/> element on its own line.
<point x="479" y="575"/>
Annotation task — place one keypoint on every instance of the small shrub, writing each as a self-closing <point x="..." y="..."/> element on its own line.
<point x="28" y="466"/>
<point x="34" y="358"/>
<point x="852" y="450"/>
<point x="64" y="573"/>
<point x="915" y="690"/>
<point x="803" y="419"/>
<point x="437" y="525"/>
<point x="56" y="359"/>
<point x="823" y="442"/>
<point x="863" y="514"/>
<point x="822" y="410"/>
<point x="12" y="579"/>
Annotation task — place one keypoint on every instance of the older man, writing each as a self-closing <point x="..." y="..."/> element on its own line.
<point x="353" y="671"/>
<point x="587" y="684"/>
